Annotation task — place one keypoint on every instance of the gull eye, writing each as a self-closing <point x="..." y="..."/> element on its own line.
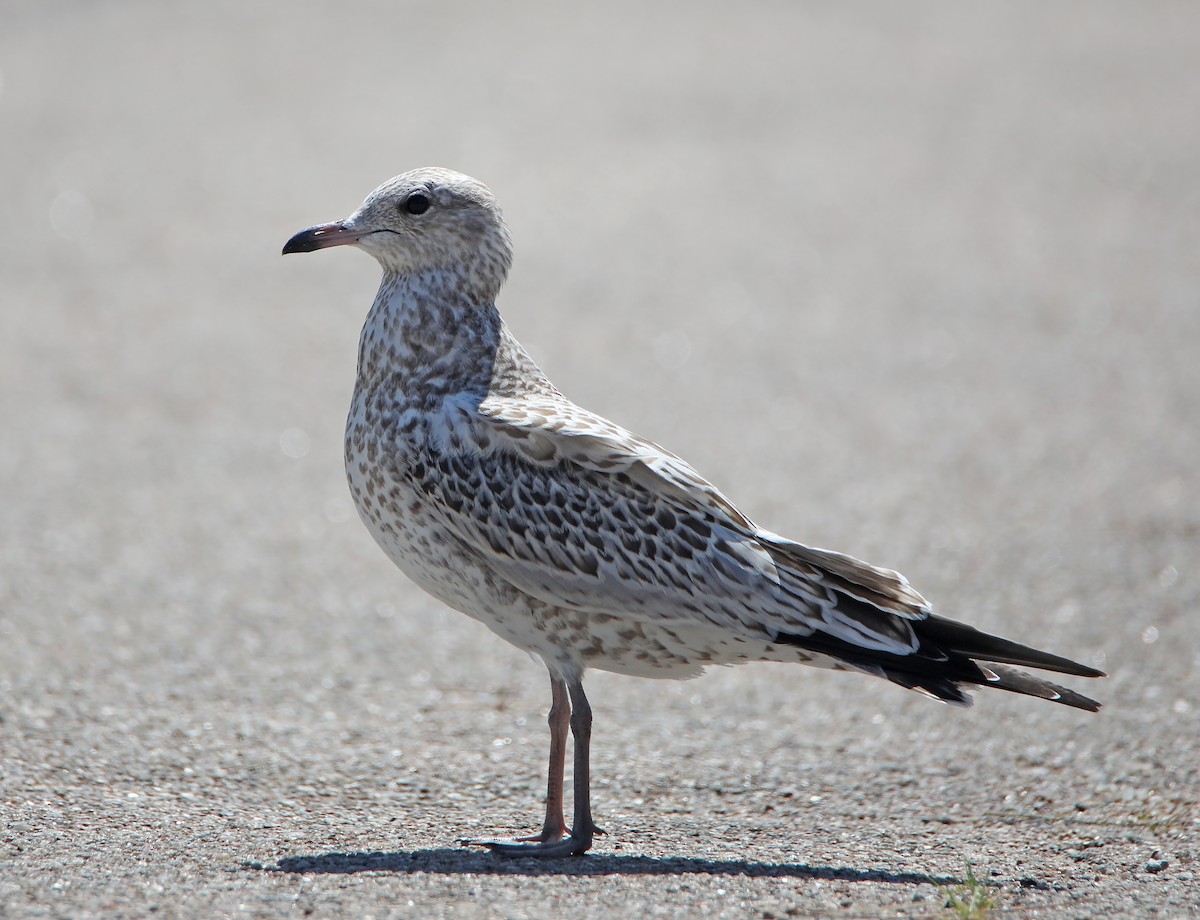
<point x="416" y="203"/>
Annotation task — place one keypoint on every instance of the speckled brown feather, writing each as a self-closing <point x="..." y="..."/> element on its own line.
<point x="568" y="535"/>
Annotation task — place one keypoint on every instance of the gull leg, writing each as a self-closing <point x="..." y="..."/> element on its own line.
<point x="559" y="719"/>
<point x="583" y="828"/>
<point x="554" y="841"/>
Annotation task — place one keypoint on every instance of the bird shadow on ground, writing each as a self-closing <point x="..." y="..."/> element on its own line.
<point x="448" y="861"/>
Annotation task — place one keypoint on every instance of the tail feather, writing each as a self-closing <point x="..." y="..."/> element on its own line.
<point x="1017" y="681"/>
<point x="950" y="654"/>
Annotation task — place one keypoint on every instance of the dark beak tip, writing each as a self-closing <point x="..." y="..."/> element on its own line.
<point x="304" y="241"/>
<point x="320" y="237"/>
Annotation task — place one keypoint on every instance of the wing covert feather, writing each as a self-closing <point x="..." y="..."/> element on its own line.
<point x="581" y="513"/>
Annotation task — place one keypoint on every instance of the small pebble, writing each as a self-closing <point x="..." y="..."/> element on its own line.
<point x="1157" y="865"/>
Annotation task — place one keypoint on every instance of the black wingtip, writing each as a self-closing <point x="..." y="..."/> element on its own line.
<point x="974" y="643"/>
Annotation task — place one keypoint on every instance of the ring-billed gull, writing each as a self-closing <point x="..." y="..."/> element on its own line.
<point x="575" y="539"/>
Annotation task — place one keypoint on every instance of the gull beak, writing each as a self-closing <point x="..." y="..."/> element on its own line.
<point x="322" y="236"/>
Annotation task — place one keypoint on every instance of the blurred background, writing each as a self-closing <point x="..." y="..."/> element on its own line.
<point x="917" y="282"/>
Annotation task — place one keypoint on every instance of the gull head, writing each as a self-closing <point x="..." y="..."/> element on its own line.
<point x="426" y="220"/>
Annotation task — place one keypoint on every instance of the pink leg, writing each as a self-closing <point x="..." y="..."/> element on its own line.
<point x="554" y="839"/>
<point x="559" y="719"/>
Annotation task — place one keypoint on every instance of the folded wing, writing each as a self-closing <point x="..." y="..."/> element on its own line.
<point x="581" y="513"/>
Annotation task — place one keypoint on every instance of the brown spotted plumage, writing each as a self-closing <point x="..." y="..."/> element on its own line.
<point x="573" y="538"/>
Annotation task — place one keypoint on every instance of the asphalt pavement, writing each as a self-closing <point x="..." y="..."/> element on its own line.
<point x="918" y="282"/>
